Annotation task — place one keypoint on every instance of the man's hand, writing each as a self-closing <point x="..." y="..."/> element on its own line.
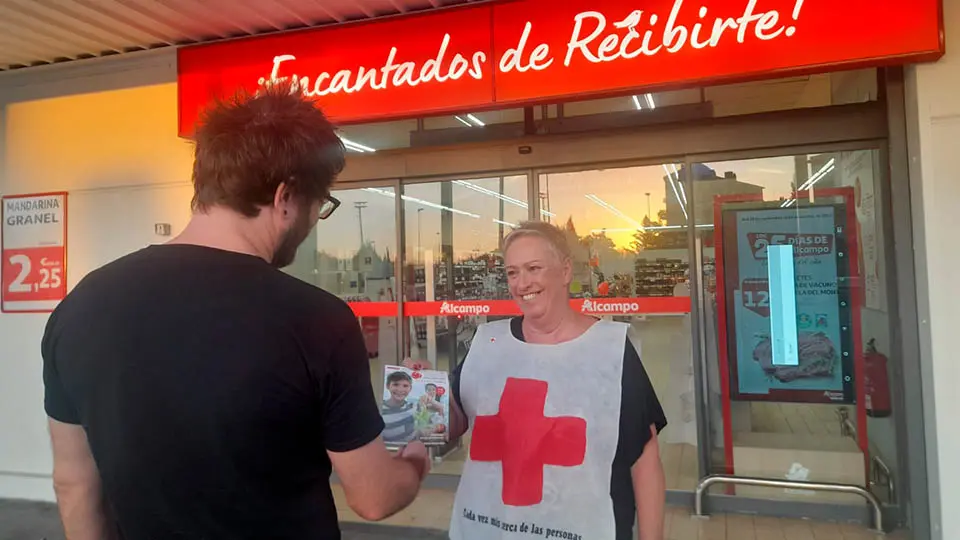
<point x="416" y="453"/>
<point x="376" y="483"/>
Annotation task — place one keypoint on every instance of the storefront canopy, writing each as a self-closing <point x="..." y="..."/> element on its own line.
<point x="38" y="33"/>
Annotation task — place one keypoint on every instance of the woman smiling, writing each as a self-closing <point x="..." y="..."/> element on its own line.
<point x="564" y="417"/>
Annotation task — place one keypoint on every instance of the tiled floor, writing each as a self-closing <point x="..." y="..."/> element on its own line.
<point x="427" y="519"/>
<point x="433" y="507"/>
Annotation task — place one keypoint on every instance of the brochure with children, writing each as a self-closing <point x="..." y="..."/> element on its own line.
<point x="415" y="406"/>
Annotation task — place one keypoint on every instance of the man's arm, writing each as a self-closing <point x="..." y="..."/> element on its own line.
<point x="378" y="485"/>
<point x="76" y="481"/>
<point x="649" y="488"/>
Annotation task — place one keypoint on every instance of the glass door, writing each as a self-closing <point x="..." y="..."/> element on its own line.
<point x="352" y="254"/>
<point x="795" y="321"/>
<point x="627" y="227"/>
<point x="453" y="271"/>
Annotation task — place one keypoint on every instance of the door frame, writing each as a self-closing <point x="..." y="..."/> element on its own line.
<point x="718" y="501"/>
<point x="723" y="502"/>
<point x="871" y="125"/>
<point x="403" y="183"/>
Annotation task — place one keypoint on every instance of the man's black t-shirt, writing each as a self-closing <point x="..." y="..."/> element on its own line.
<point x="639" y="410"/>
<point x="211" y="386"/>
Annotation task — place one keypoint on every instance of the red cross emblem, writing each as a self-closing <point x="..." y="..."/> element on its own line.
<point x="524" y="440"/>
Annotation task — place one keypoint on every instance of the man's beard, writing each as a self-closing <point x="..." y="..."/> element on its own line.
<point x="286" y="251"/>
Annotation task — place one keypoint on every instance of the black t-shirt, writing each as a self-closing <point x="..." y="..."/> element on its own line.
<point x="639" y="409"/>
<point x="211" y="386"/>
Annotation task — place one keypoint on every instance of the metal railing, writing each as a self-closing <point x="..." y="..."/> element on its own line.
<point x="847" y="427"/>
<point x="789" y="484"/>
<point x="879" y="471"/>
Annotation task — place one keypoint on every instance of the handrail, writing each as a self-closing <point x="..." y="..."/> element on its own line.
<point x="882" y="468"/>
<point x="789" y="484"/>
<point x="848" y="428"/>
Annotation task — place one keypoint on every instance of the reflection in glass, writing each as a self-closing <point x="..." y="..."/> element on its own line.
<point x="628" y="231"/>
<point x="454" y="231"/>
<point x="787" y="421"/>
<point x="351" y="255"/>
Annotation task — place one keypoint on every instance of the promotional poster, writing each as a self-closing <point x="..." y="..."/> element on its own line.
<point x="818" y="366"/>
<point x="415" y="406"/>
<point x="33" y="261"/>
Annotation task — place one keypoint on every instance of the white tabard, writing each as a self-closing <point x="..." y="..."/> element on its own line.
<point x="546" y="422"/>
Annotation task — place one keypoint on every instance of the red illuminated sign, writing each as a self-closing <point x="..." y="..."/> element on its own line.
<point x="461" y="308"/>
<point x="524" y="51"/>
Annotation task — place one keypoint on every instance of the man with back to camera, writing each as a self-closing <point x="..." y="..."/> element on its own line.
<point x="196" y="391"/>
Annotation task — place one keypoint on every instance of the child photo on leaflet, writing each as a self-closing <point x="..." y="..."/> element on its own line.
<point x="400" y="416"/>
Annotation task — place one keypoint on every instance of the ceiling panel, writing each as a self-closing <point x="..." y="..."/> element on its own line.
<point x="39" y="32"/>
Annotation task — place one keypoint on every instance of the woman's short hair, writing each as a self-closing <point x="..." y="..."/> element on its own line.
<point x="552" y="234"/>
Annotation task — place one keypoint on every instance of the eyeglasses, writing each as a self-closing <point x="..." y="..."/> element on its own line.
<point x="327" y="207"/>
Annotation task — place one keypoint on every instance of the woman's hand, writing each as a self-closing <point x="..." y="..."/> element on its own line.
<point x="416" y="365"/>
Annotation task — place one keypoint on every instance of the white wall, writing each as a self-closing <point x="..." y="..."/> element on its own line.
<point x="933" y="123"/>
<point x="105" y="131"/>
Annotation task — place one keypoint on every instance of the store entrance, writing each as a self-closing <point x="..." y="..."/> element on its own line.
<point x="629" y="234"/>
<point x="665" y="245"/>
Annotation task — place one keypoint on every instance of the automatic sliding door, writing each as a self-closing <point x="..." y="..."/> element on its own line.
<point x="796" y="320"/>
<point x="453" y="269"/>
<point x="628" y="229"/>
<point x="351" y="255"/>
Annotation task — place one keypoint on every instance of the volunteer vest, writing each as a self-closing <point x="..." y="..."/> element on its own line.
<point x="545" y="425"/>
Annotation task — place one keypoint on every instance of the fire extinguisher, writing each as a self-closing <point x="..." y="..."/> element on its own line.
<point x="876" y="381"/>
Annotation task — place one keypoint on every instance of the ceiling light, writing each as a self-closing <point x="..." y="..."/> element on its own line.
<point x="650" y="228"/>
<point x="502" y="197"/>
<point x="464" y="122"/>
<point x="391" y="194"/>
<point x="475" y="120"/>
<point x="613" y="210"/>
<point x="355" y="146"/>
<point x="827" y="168"/>
<point x="647" y="101"/>
<point x="817" y="176"/>
<point x="676" y="193"/>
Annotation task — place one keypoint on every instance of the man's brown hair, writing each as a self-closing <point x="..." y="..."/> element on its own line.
<point x="248" y="145"/>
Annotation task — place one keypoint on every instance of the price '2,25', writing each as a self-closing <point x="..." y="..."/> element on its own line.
<point x="50" y="278"/>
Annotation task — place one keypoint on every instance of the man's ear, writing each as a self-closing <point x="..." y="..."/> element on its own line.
<point x="283" y="199"/>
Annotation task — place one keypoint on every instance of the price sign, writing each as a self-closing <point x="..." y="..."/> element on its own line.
<point x="756" y="295"/>
<point x="33" y="261"/>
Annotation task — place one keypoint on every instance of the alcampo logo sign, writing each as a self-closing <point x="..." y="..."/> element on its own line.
<point x="460" y="309"/>
<point x="600" y="306"/>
